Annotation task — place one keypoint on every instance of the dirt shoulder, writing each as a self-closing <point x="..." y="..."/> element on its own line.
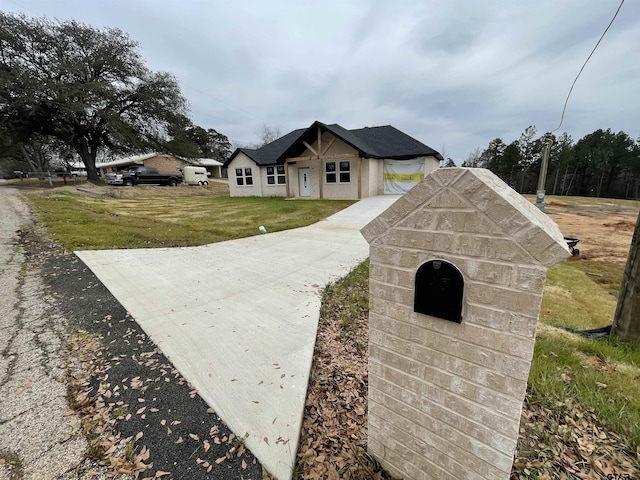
<point x="39" y="437"/>
<point x="604" y="231"/>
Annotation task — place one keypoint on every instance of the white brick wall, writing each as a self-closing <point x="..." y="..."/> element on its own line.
<point x="445" y="398"/>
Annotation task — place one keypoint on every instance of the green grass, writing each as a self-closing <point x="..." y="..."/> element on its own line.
<point x="600" y="375"/>
<point x="581" y="294"/>
<point x="79" y="221"/>
<point x="12" y="465"/>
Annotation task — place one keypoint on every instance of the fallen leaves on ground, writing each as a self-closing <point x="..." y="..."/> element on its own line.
<point x="83" y="360"/>
<point x="566" y="442"/>
<point x="334" y="430"/>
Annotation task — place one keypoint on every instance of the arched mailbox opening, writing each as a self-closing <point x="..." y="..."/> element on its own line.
<point x="438" y="291"/>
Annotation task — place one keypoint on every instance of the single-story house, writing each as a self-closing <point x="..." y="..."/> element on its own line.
<point x="331" y="162"/>
<point x="166" y="164"/>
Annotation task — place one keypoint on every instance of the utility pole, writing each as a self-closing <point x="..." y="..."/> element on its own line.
<point x="626" y="323"/>
<point x="547" y="140"/>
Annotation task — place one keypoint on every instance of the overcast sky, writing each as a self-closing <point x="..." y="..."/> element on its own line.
<point x="454" y="74"/>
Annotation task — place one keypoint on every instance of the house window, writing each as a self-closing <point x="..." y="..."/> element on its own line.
<point x="244" y="176"/>
<point x="276" y="175"/>
<point x="342" y="175"/>
<point x="330" y="172"/>
<point x="345" y="172"/>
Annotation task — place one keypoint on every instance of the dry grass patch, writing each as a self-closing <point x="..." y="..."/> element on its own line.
<point x="150" y="217"/>
<point x="576" y="296"/>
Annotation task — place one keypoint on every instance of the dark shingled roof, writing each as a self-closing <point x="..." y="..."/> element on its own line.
<point x="269" y="153"/>
<point x="389" y="142"/>
<point x="372" y="142"/>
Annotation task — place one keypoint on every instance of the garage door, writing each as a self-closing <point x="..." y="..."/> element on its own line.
<point x="401" y="175"/>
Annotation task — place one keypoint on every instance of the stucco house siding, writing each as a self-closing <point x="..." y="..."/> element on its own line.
<point x="431" y="164"/>
<point x="343" y="190"/>
<point x="371" y="177"/>
<point x="339" y="190"/>
<point x="271" y="189"/>
<point x="242" y="163"/>
<point x="333" y="163"/>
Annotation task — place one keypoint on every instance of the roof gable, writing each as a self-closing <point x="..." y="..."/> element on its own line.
<point x="372" y="142"/>
<point x="270" y="153"/>
<point x="483" y="205"/>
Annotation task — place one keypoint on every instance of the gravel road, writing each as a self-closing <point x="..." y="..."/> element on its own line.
<point x="36" y="437"/>
<point x="72" y="360"/>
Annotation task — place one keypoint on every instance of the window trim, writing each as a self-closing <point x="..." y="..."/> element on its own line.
<point x="276" y="177"/>
<point x="337" y="172"/>
<point x="346" y="172"/>
<point x="244" y="179"/>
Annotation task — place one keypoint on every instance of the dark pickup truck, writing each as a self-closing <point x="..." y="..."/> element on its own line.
<point x="142" y="176"/>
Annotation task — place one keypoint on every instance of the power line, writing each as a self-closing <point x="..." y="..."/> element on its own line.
<point x="246" y="112"/>
<point x="585" y="64"/>
<point x="22" y="7"/>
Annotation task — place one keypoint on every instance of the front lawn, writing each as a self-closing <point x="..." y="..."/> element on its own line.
<point x="148" y="217"/>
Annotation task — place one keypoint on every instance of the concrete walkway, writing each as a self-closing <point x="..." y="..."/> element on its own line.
<point x="239" y="318"/>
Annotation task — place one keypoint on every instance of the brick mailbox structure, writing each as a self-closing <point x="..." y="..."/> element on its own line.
<point x="458" y="266"/>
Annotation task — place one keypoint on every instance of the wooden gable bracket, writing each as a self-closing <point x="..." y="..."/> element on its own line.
<point x="320" y="153"/>
<point x="326" y="149"/>
<point x="309" y="147"/>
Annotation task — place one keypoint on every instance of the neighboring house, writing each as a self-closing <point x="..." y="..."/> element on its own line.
<point x="77" y="169"/>
<point x="214" y="167"/>
<point x="329" y="161"/>
<point x="166" y="164"/>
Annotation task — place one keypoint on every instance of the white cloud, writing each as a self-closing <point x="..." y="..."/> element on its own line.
<point x="455" y="74"/>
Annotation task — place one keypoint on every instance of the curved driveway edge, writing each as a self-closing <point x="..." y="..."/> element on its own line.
<point x="239" y="318"/>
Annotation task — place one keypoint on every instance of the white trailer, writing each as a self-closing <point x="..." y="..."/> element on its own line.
<point x="195" y="176"/>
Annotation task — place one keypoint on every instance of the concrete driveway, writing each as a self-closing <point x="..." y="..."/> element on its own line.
<point x="239" y="318"/>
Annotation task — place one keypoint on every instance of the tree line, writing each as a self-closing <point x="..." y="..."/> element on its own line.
<point x="71" y="91"/>
<point x="600" y="164"/>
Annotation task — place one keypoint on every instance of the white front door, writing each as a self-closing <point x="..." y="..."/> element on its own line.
<point x="305" y="182"/>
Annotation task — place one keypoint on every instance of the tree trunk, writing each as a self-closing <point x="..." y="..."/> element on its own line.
<point x="599" y="185"/>
<point x="555" y="182"/>
<point x="33" y="161"/>
<point x="568" y="192"/>
<point x="626" y="323"/>
<point x="611" y="181"/>
<point x="523" y="173"/>
<point x="626" y="193"/>
<point x="563" y="191"/>
<point x="88" y="158"/>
